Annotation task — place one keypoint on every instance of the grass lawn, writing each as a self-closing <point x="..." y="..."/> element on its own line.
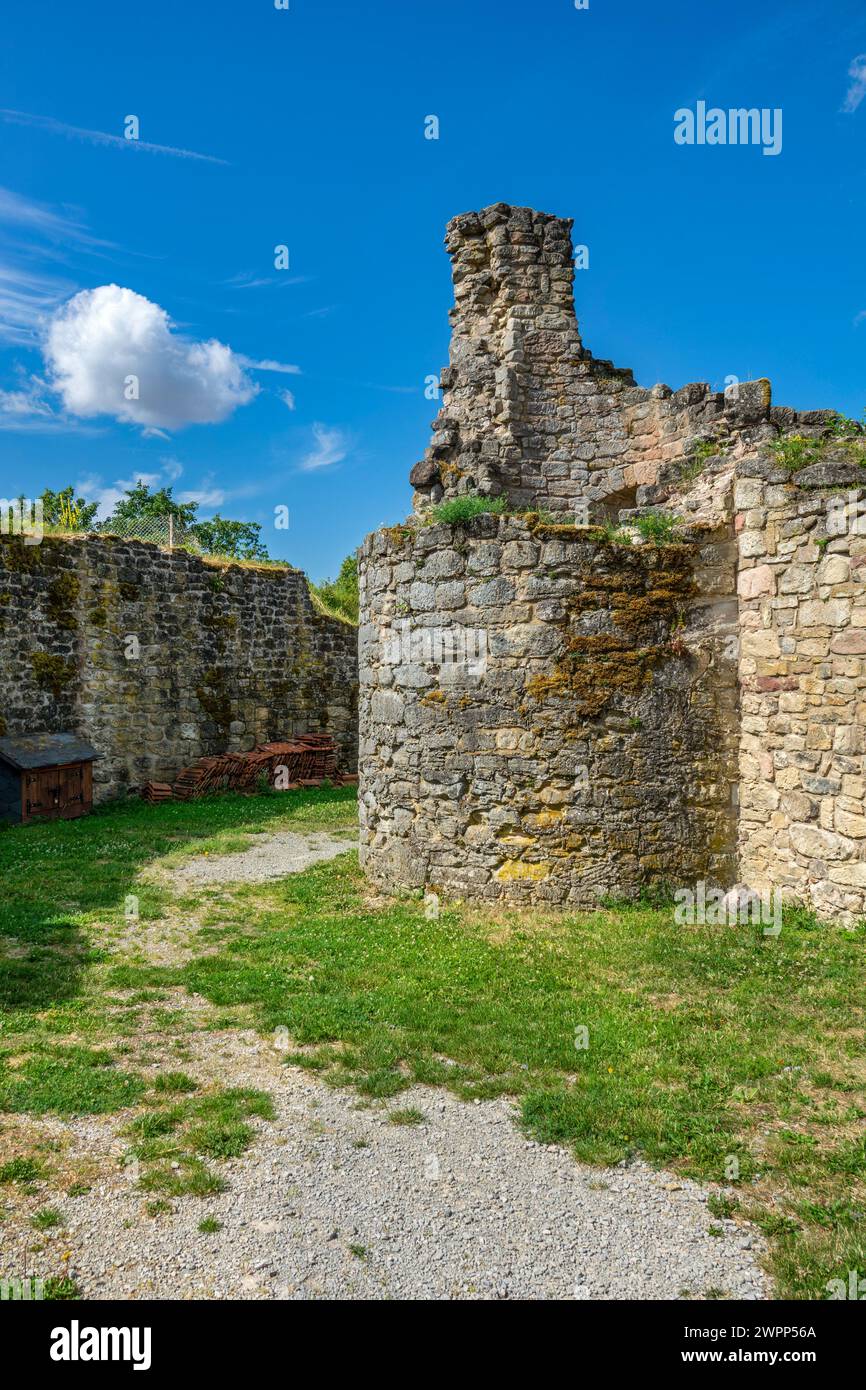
<point x="718" y="1052"/>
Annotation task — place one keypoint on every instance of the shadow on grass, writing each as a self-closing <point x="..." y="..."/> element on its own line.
<point x="63" y="878"/>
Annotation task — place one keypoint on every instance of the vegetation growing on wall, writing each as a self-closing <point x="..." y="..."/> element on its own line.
<point x="339" y="597"/>
<point x="458" y="510"/>
<point x="51" y="672"/>
<point x="640" y="594"/>
<point x="842" y="437"/>
<point x="60" y="600"/>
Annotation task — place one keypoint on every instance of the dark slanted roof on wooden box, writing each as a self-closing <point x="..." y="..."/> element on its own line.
<point x="45" y="750"/>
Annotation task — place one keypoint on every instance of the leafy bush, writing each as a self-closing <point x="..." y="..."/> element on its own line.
<point x="657" y="527"/>
<point x="797" y="451"/>
<point x="843" y="427"/>
<point x="459" y="510"/>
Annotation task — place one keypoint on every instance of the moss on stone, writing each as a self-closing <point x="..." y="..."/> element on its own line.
<point x="397" y="535"/>
<point x="220" y="623"/>
<point x="641" y="593"/>
<point x="514" y="870"/>
<point x="214" y="699"/>
<point x="60" y="600"/>
<point x="18" y="557"/>
<point x="51" y="672"/>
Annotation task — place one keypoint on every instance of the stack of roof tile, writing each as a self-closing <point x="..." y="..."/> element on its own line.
<point x="304" y="762"/>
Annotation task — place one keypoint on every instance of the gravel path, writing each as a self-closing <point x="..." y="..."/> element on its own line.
<point x="337" y="1202"/>
<point x="273" y="856"/>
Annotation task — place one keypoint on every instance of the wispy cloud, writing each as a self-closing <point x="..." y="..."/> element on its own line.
<point x="101" y="137"/>
<point x="28" y="408"/>
<point x="33" y="216"/>
<point x="204" y="496"/>
<point x="288" y="398"/>
<point x="32" y="232"/>
<point x="248" y="280"/>
<point x="172" y="468"/>
<point x="267" y="364"/>
<point x="857" y="90"/>
<point x="331" y="445"/>
<point x="26" y="302"/>
<point x="28" y="401"/>
<point x="860" y="318"/>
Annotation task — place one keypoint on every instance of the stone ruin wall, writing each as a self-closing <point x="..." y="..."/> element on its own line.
<point x="528" y="413"/>
<point x="802" y="586"/>
<point x="695" y="770"/>
<point x="594" y="748"/>
<point x="230" y="656"/>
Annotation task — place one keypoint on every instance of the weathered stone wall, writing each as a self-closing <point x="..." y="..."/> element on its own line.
<point x="228" y="656"/>
<point x="583" y="739"/>
<point x="802" y="586"/>
<point x="607" y="743"/>
<point x="528" y="413"/>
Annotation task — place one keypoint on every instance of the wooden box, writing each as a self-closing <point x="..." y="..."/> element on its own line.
<point x="45" y="777"/>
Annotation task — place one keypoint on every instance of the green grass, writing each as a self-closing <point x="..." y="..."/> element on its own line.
<point x="21" y="1170"/>
<point x="690" y="1031"/>
<point x="209" y="1226"/>
<point x="46" y="1218"/>
<point x="67" y="1081"/>
<point x="701" y="453"/>
<point x="796" y="451"/>
<point x="458" y="510"/>
<point x="657" y="527"/>
<point x="411" y="1115"/>
<point x="173" y="1141"/>
<point x="707" y="1046"/>
<point x="60" y="1289"/>
<point x="175" y="1082"/>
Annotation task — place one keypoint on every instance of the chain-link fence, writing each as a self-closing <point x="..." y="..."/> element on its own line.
<point x="167" y="531"/>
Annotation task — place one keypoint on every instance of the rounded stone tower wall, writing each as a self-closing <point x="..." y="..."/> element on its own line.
<point x="546" y="715"/>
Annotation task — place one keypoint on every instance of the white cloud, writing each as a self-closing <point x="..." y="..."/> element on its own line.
<point x="104" y="337"/>
<point x="205" y="496"/>
<point x="288" y="399"/>
<point x="857" y="91"/>
<point x="331" y="446"/>
<point x="171" y="467"/>
<point x="26" y="402"/>
<point x="101" y="137"/>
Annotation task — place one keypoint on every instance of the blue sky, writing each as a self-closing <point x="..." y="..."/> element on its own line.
<point x="704" y="261"/>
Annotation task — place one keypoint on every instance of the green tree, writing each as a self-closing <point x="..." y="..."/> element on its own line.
<point x="141" y="505"/>
<point x="342" y="593"/>
<point x="63" y="508"/>
<point x="239" y="539"/>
